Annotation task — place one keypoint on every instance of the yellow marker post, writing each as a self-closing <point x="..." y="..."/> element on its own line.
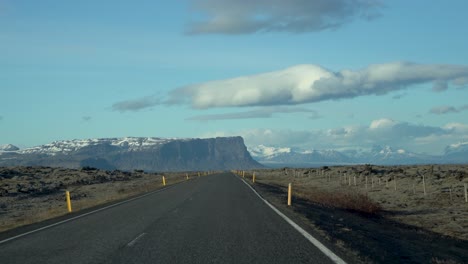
<point x="198" y="174"/>
<point x="67" y="193"/>
<point x="186" y="174"/>
<point x="289" y="194"/>
<point x="253" y="177"/>
<point x="164" y="181"/>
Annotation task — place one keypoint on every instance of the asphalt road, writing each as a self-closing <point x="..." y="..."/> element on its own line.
<point x="211" y="219"/>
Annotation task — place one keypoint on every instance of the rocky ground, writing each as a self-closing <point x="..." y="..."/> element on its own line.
<point x="399" y="191"/>
<point x="33" y="194"/>
<point x="404" y="225"/>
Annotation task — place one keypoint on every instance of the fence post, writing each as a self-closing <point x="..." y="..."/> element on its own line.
<point x="466" y="194"/>
<point x="424" y="185"/>
<point x="289" y="194"/>
<point x="67" y="194"/>
<point x="450" y="190"/>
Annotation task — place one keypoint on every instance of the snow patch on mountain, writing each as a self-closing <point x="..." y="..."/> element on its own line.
<point x="69" y="146"/>
<point x="456" y="148"/>
<point x="263" y="151"/>
<point x="8" y="147"/>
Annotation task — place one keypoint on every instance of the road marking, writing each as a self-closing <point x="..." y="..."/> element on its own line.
<point x="88" y="213"/>
<point x="308" y="236"/>
<point x="133" y="242"/>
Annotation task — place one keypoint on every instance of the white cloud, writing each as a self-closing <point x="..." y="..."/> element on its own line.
<point x="135" y="104"/>
<point x="414" y="137"/>
<point x="383" y="123"/>
<point x="312" y="83"/>
<point x="243" y="17"/>
<point x="264" y="112"/>
<point x="440" y="110"/>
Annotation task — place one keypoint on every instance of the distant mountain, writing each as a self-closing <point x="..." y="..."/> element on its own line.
<point x="8" y="147"/>
<point x="149" y="154"/>
<point x="457" y="152"/>
<point x="277" y="157"/>
<point x="381" y="155"/>
<point x="386" y="155"/>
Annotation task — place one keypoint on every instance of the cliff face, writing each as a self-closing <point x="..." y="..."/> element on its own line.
<point x="149" y="154"/>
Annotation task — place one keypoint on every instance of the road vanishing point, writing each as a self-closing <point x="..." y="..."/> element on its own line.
<point x="211" y="219"/>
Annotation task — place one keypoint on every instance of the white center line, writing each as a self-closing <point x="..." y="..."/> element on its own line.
<point x="133" y="242"/>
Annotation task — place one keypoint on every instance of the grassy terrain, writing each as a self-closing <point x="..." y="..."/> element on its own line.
<point x="33" y="194"/>
<point x="396" y="192"/>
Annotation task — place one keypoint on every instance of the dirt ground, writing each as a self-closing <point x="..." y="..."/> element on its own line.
<point x="410" y="227"/>
<point x="33" y="194"/>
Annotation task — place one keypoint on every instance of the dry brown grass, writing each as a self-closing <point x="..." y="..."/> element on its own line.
<point x="344" y="200"/>
<point x="23" y="209"/>
<point x="396" y="191"/>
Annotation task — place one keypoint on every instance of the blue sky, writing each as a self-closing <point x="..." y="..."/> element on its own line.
<point x="332" y="74"/>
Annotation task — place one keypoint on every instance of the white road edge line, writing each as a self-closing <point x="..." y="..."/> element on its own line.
<point x="308" y="236"/>
<point x="133" y="242"/>
<point x="88" y="213"/>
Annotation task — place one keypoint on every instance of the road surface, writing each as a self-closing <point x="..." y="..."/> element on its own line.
<point x="211" y="219"/>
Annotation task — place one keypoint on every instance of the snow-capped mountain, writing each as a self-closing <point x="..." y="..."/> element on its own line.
<point x="457" y="152"/>
<point x="391" y="156"/>
<point x="265" y="152"/>
<point x="275" y="156"/>
<point x="458" y="148"/>
<point x="382" y="155"/>
<point x="144" y="153"/>
<point x="8" y="147"/>
<point x="72" y="146"/>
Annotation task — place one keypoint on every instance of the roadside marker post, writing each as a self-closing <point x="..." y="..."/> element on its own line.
<point x="186" y="174"/>
<point x="164" y="180"/>
<point x="198" y="174"/>
<point x="289" y="194"/>
<point x="243" y="174"/>
<point x="69" y="207"/>
<point x="253" y="177"/>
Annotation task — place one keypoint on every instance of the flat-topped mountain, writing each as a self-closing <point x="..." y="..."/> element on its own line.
<point x="130" y="153"/>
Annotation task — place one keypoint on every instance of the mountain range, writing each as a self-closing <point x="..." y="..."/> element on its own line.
<point x="193" y="154"/>
<point x="131" y="153"/>
<point x="379" y="155"/>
